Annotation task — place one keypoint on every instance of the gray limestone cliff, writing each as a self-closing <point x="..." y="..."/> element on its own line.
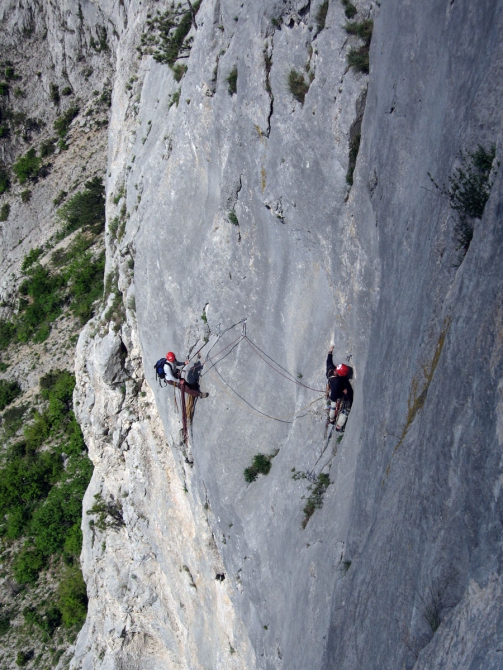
<point x="229" y="202"/>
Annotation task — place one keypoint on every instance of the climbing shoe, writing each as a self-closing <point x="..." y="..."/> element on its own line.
<point x="204" y="395"/>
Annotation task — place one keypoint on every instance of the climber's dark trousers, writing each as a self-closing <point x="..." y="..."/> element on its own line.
<point x="186" y="388"/>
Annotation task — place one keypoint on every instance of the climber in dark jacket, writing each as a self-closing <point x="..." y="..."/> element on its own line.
<point x="338" y="387"/>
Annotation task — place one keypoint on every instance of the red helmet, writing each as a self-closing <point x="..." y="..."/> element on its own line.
<point x="342" y="370"/>
<point x="170" y="356"/>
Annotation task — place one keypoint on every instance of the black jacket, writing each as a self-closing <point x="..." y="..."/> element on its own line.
<point x="338" y="384"/>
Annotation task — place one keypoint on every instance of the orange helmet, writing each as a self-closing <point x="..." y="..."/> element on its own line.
<point x="170" y="356"/>
<point x="342" y="370"/>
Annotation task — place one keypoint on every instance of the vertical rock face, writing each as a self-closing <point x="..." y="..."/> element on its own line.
<point x="231" y="203"/>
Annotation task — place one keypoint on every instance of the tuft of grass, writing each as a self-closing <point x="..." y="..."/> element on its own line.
<point x="359" y="57"/>
<point x="26" y="196"/>
<point x="297" y="85"/>
<point x="54" y="93"/>
<point x="321" y="15"/>
<point x="232" y="81"/>
<point x="261" y="464"/>
<point x="4" y="181"/>
<point x="315" y="500"/>
<point x="349" y="9"/>
<point x="4" y="212"/>
<point x="178" y="71"/>
<point x="175" y="99"/>
<point x="233" y="218"/>
<point x="48" y="147"/>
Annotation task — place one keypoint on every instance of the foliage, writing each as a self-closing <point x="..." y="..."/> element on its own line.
<point x="73" y="597"/>
<point x="9" y="391"/>
<point x="178" y="71"/>
<point x="4" y="88"/>
<point x="48" y="147"/>
<point x="7" y="332"/>
<point x="12" y="420"/>
<point x="354" y="147"/>
<point x="4" y="181"/>
<point x="315" y="500"/>
<point x="54" y="93"/>
<point x="26" y="195"/>
<point x="39" y="499"/>
<point x="468" y="191"/>
<point x="59" y="198"/>
<point x="31" y="257"/>
<point x="359" y="57"/>
<point x="232" y="81"/>
<point x="321" y="15"/>
<point x="4" y="212"/>
<point x="47" y="622"/>
<point x="233" y="217"/>
<point x="349" y="9"/>
<point x="86" y="208"/>
<point x="261" y="464"/>
<point x="40" y="303"/>
<point x="297" y="86"/>
<point x="108" y="513"/>
<point x="62" y="123"/>
<point x="175" y="98"/>
<point x="85" y="284"/>
<point x="27" y="167"/>
<point x="66" y="90"/>
<point x="4" y="131"/>
<point x="166" y="36"/>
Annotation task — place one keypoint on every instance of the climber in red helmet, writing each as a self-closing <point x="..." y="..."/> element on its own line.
<point x="173" y="376"/>
<point x="338" y="387"/>
<point x="171" y="367"/>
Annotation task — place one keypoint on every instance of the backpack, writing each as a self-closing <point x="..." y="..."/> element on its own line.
<point x="159" y="371"/>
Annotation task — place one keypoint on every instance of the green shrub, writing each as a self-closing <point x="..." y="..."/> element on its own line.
<point x="108" y="513"/>
<point x="297" y="86"/>
<point x="233" y="218"/>
<point x="359" y="59"/>
<point x="232" y="81"/>
<point x="54" y="93"/>
<point x="261" y="464"/>
<point x="349" y="9"/>
<point x="4" y="88"/>
<point x="31" y="258"/>
<point x="315" y="500"/>
<point x="44" y="291"/>
<point x="166" y="34"/>
<point x="7" y="332"/>
<point x="27" y="166"/>
<point x="4" y="181"/>
<point x="85" y="281"/>
<point x="59" y="198"/>
<point x="12" y="420"/>
<point x="48" y="147"/>
<point x="321" y="15"/>
<point x="86" y="208"/>
<point x="5" y="618"/>
<point x="10" y="74"/>
<point x="178" y="71"/>
<point x="27" y="565"/>
<point x="23" y="658"/>
<point x="175" y="99"/>
<point x="73" y="597"/>
<point x="62" y="123"/>
<point x="26" y="195"/>
<point x="4" y="131"/>
<point x="363" y="29"/>
<point x="9" y="391"/>
<point x="4" y="211"/>
<point x="66" y="90"/>
<point x="468" y="191"/>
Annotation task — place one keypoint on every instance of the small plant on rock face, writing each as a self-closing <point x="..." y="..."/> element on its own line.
<point x="297" y="86"/>
<point x="4" y="211"/>
<point x="178" y="71"/>
<point x="27" y="166"/>
<point x="26" y="196"/>
<point x="261" y="464"/>
<point x="232" y="81"/>
<point x="349" y="9"/>
<point x="315" y="500"/>
<point x="233" y="218"/>
<point x="359" y="57"/>
<point x="321" y="15"/>
<point x="468" y="191"/>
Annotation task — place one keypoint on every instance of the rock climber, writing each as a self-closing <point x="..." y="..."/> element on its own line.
<point x="339" y="389"/>
<point x="173" y="376"/>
